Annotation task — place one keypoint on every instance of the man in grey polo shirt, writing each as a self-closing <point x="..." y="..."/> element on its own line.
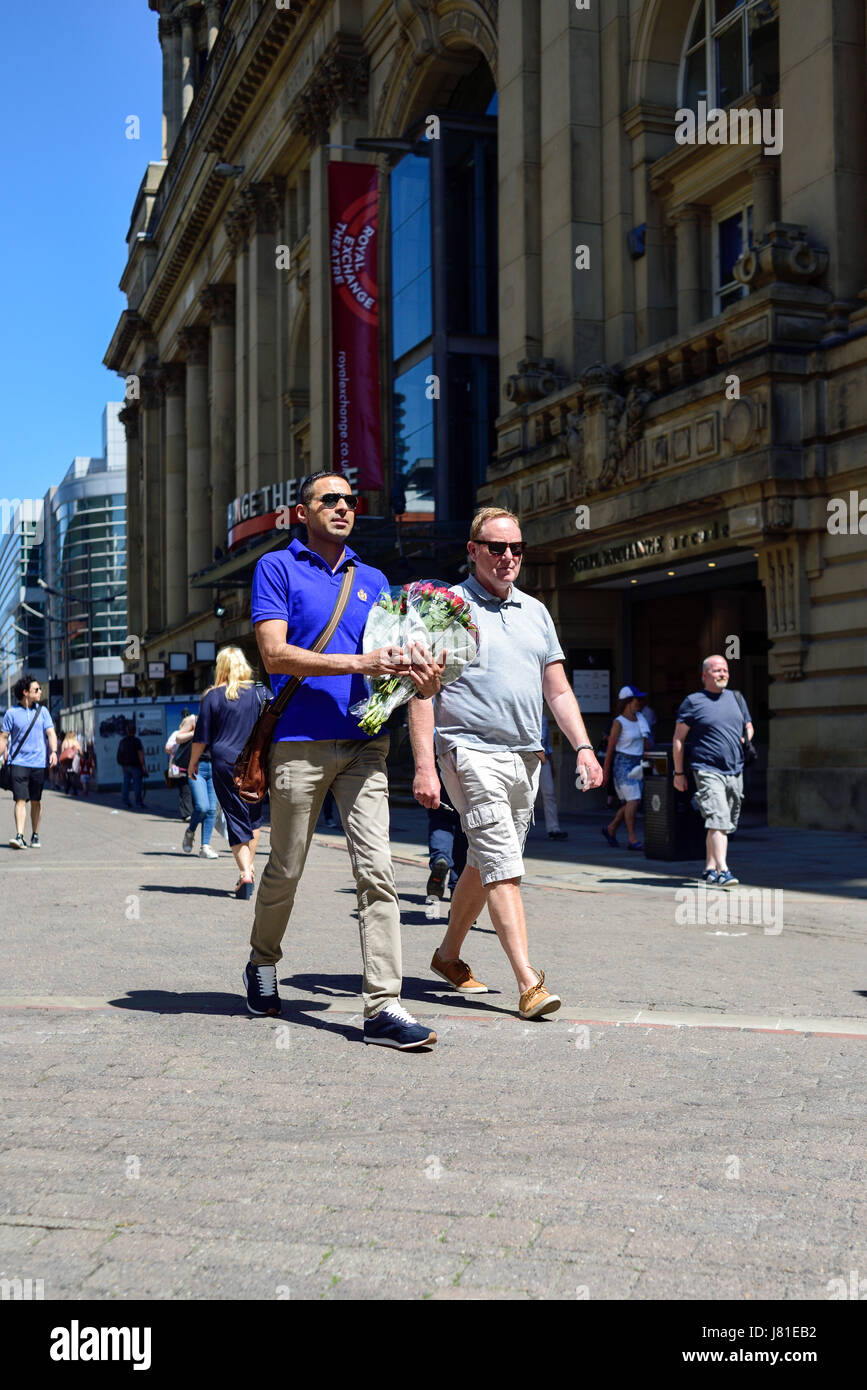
<point x="488" y="727"/>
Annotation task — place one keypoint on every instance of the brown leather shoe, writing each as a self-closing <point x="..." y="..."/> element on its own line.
<point x="458" y="974"/>
<point x="538" y="1000"/>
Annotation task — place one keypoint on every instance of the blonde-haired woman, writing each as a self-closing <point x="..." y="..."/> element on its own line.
<point x="228" y="711"/>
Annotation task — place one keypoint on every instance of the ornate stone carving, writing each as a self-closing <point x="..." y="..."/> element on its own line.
<point x="534" y="379"/>
<point x="780" y="513"/>
<point x="338" y="82"/>
<point x="601" y="440"/>
<point x="783" y="254"/>
<point x="743" y="423"/>
<point x="218" y="302"/>
<point x="264" y="205"/>
<point x="419" y="18"/>
<point x="194" y="345"/>
<point x="788" y="604"/>
<point x="238" y="226"/>
<point x="171" y="379"/>
<point x="129" y="418"/>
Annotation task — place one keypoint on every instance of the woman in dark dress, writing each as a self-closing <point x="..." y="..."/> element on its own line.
<point x="228" y="711"/>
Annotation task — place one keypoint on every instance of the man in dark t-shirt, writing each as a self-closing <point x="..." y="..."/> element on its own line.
<point x="131" y="760"/>
<point x="710" y="729"/>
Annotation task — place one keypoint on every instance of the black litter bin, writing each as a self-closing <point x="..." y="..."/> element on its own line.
<point x="673" y="829"/>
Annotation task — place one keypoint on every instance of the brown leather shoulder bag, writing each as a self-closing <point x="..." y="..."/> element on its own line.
<point x="251" y="765"/>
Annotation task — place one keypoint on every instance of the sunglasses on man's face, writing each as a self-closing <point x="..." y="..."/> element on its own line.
<point x="331" y="499"/>
<point x="500" y="547"/>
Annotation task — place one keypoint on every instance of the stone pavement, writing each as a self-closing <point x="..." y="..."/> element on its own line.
<point x="160" y="1144"/>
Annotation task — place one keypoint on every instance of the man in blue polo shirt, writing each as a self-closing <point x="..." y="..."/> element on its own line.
<point x="23" y="734"/>
<point x="318" y="745"/>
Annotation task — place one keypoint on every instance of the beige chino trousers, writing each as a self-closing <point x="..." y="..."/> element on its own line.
<point x="300" y="775"/>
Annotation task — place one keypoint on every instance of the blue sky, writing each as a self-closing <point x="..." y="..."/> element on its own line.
<point x="72" y="73"/>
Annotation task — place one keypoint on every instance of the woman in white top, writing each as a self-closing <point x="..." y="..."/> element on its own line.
<point x="628" y="741"/>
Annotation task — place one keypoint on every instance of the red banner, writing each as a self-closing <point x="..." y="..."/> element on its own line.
<point x="353" y="219"/>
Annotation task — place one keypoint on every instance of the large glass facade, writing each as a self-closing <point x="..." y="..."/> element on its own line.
<point x="444" y="317"/>
<point x="90" y="545"/>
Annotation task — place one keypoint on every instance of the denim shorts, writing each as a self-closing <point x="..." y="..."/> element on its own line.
<point x="627" y="788"/>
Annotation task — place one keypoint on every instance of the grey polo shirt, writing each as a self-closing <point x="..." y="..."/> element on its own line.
<point x="497" y="702"/>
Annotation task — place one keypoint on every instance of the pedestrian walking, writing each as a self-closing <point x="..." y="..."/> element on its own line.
<point x="131" y="760"/>
<point x="447" y="848"/>
<point x="711" y="727"/>
<point x="228" y="711"/>
<point x="179" y="758"/>
<point x="26" y="730"/>
<point x="546" y="786"/>
<point x="70" y="762"/>
<point x="488" y="727"/>
<point x="55" y="772"/>
<point x="299" y="594"/>
<point x="627" y="743"/>
<point x="87" y="769"/>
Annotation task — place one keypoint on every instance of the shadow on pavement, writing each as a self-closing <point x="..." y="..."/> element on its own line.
<point x="163" y="1001"/>
<point x="190" y="888"/>
<point x="413" y="989"/>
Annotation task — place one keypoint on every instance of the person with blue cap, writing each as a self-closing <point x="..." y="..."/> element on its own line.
<point x="628" y="741"/>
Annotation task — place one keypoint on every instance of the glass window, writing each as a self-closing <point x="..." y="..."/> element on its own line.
<point x="730" y="75"/>
<point x="733" y="234"/>
<point x="741" y="40"/>
<point x="696" y="33"/>
<point x="695" y="78"/>
<point x="410" y="253"/>
<point x="414" y="437"/>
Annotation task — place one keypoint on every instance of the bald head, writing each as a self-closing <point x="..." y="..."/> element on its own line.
<point x="714" y="673"/>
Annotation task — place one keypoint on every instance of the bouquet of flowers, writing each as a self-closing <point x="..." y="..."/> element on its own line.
<point x="425" y="614"/>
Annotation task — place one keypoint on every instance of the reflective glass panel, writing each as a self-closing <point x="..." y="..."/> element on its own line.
<point x="414" y="437"/>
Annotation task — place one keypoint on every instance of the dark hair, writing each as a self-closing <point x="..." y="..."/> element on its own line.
<point x="23" y="685"/>
<point x="305" y="487"/>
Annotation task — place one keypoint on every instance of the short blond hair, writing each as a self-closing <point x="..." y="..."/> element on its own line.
<point x="486" y="514"/>
<point x="232" y="670"/>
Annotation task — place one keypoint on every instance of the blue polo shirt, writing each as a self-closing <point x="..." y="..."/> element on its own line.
<point x="34" y="749"/>
<point x="298" y="587"/>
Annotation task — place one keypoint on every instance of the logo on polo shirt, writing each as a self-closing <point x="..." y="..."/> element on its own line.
<point x="362" y="594"/>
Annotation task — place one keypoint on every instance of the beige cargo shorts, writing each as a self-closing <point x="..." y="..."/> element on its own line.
<point x="494" y="794"/>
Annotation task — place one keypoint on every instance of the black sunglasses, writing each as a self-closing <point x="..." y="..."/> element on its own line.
<point x="331" y="499"/>
<point x="500" y="547"/>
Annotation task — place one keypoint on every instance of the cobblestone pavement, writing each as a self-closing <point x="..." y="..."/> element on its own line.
<point x="160" y="1144"/>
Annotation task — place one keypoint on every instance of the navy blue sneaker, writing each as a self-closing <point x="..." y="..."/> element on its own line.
<point x="726" y="879"/>
<point x="710" y="876"/>
<point x="393" y="1026"/>
<point x="260" y="982"/>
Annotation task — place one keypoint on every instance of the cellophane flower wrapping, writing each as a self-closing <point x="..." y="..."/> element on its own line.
<point x="425" y="613"/>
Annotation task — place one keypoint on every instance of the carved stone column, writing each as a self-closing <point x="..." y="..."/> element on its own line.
<point x="172" y="384"/>
<point x="152" y="600"/>
<point x="264" y="202"/>
<point x="218" y="302"/>
<point x="764" y="179"/>
<point x="170" y="42"/>
<point x="212" y="9"/>
<point x="188" y="88"/>
<point x="194" y="342"/>
<point x="237" y="230"/>
<point x="130" y="418"/>
<point x="688" y="222"/>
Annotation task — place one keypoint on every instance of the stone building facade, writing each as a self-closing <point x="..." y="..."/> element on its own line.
<point x="653" y="350"/>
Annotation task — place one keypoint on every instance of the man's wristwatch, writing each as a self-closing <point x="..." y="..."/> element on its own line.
<point x="581" y="746"/>
<point x="679" y="774"/>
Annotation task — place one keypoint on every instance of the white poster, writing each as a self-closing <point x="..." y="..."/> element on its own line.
<point x="592" y="691"/>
